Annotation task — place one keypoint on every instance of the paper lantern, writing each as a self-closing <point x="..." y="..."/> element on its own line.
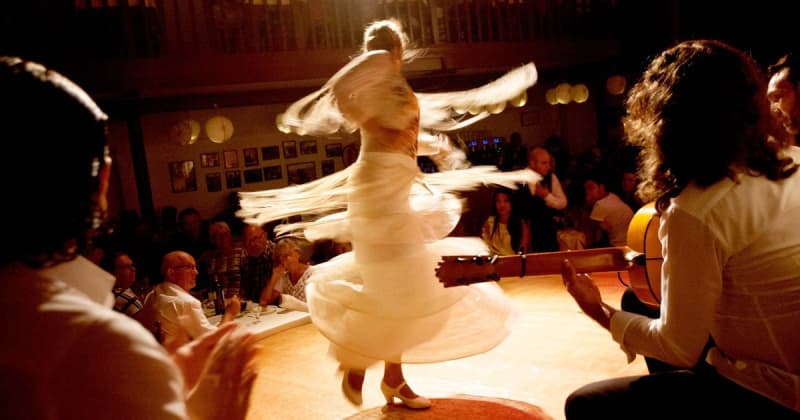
<point x="496" y="108"/>
<point x="579" y="93"/>
<point x="195" y="131"/>
<point x="563" y="95"/>
<point x="520" y="100"/>
<point x="550" y="96"/>
<point x="219" y="129"/>
<point x="615" y="84"/>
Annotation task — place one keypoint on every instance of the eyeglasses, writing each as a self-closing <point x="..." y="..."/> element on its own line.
<point x="185" y="267"/>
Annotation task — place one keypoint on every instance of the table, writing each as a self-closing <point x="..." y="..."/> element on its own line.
<point x="272" y="321"/>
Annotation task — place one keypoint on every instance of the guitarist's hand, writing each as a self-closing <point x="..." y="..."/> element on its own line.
<point x="586" y="294"/>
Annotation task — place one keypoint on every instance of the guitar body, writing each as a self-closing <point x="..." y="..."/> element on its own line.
<point x="645" y="280"/>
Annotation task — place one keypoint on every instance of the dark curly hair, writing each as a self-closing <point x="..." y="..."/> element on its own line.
<point x="700" y="114"/>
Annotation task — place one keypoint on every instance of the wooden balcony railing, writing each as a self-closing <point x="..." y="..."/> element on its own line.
<point x="159" y="28"/>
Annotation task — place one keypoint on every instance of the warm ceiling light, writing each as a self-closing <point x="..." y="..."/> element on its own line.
<point x="563" y="95"/>
<point x="615" y="84"/>
<point x="579" y="93"/>
<point x="550" y="96"/>
<point x="219" y="129"/>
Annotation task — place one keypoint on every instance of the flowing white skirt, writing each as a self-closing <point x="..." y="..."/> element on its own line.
<point x="383" y="301"/>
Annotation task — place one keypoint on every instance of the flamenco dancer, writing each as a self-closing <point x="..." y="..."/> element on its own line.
<point x="382" y="301"/>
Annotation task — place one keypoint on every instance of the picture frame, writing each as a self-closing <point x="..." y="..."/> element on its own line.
<point x="333" y="150"/>
<point x="300" y="173"/>
<point x="270" y="152"/>
<point x="308" y="147"/>
<point x="328" y="167"/>
<point x="209" y="160"/>
<point x="233" y="179"/>
<point x="290" y="149"/>
<point x="231" y="159"/>
<point x="252" y="176"/>
<point x="183" y="177"/>
<point x="273" y="172"/>
<point x="250" y="156"/>
<point x="214" y="182"/>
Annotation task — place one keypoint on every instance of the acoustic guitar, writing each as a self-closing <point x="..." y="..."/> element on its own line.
<point x="641" y="258"/>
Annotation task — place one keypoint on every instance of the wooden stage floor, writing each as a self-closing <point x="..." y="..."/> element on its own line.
<point x="553" y="349"/>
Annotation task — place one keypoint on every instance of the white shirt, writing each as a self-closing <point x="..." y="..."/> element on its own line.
<point x="733" y="270"/>
<point x="556" y="199"/>
<point x="67" y="355"/>
<point x="173" y="307"/>
<point x="615" y="216"/>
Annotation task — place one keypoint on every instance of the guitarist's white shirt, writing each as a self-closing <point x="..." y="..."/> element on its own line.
<point x="731" y="271"/>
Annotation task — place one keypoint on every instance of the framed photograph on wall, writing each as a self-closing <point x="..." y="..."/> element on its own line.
<point x="214" y="182"/>
<point x="333" y="150"/>
<point x="182" y="176"/>
<point x="273" y="172"/>
<point x="209" y="160"/>
<point x="270" y="153"/>
<point x="308" y="147"/>
<point x="250" y="156"/>
<point x="233" y="179"/>
<point x="231" y="158"/>
<point x="300" y="173"/>
<point x="253" y="175"/>
<point x="328" y="167"/>
<point x="290" y="149"/>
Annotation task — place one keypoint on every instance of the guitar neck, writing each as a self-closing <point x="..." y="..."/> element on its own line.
<point x="584" y="261"/>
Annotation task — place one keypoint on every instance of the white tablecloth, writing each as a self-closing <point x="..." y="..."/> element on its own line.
<point x="272" y="320"/>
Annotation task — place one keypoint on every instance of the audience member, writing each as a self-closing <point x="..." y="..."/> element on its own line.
<point x="170" y="311"/>
<point x="257" y="266"/>
<point x="224" y="262"/>
<point x="504" y="231"/>
<point x="783" y="92"/>
<point x="628" y="184"/>
<point x="728" y="201"/>
<point x="514" y="155"/>
<point x="542" y="202"/>
<point x="287" y="286"/>
<point x="66" y="354"/>
<point x="609" y="216"/>
<point x="126" y="301"/>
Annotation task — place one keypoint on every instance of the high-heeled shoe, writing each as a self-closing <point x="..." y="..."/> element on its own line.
<point x="390" y="393"/>
<point x="352" y="395"/>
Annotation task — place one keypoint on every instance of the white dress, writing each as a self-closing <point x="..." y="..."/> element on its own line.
<point x="383" y="301"/>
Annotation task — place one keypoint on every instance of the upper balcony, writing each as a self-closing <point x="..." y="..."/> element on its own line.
<point x="154" y="51"/>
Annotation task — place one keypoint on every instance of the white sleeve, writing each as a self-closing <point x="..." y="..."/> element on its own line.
<point x="691" y="277"/>
<point x="193" y="319"/>
<point x="124" y="370"/>
<point x="556" y="199"/>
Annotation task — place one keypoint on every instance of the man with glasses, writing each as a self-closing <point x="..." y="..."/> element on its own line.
<point x="125" y="300"/>
<point x="170" y="310"/>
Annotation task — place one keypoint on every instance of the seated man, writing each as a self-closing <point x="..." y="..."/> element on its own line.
<point x="609" y="215"/>
<point x="257" y="266"/>
<point x="124" y="271"/>
<point x="170" y="308"/>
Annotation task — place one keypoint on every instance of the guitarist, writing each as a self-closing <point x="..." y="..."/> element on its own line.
<point x="728" y="193"/>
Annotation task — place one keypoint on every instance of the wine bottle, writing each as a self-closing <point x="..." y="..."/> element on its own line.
<point x="219" y="300"/>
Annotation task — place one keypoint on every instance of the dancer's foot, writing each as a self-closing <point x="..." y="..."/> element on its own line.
<point x="402" y="391"/>
<point x="352" y="380"/>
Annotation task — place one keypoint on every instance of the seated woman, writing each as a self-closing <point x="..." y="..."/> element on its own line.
<point x="287" y="287"/>
<point x="505" y="232"/>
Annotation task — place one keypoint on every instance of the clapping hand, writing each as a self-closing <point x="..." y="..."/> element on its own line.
<point x="220" y="371"/>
